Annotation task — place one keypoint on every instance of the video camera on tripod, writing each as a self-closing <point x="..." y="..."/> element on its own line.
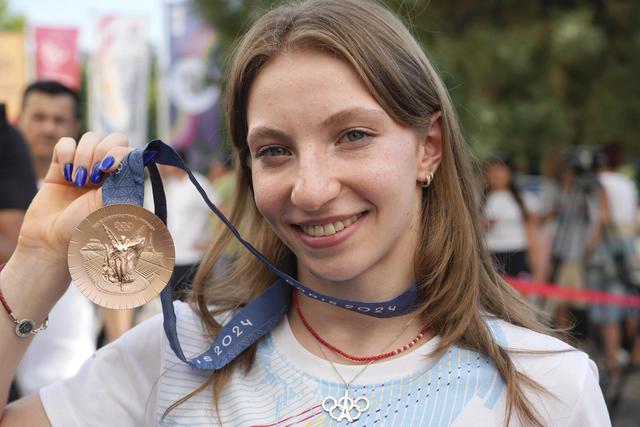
<point x="584" y="162"/>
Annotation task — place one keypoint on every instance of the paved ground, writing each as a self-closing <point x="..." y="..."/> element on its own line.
<point x="627" y="412"/>
<point x="624" y="405"/>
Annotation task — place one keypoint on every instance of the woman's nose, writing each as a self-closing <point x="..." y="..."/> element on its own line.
<point x="316" y="184"/>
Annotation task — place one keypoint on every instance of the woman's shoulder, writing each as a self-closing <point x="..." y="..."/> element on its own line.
<point x="558" y="367"/>
<point x="532" y="349"/>
<point x="518" y="337"/>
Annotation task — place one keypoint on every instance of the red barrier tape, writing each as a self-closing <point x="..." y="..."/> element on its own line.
<point x="549" y="290"/>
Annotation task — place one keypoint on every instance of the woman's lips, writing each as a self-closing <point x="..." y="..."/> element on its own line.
<point x="330" y="228"/>
<point x="326" y="234"/>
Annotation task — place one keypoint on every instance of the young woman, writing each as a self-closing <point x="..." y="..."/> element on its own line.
<point x="511" y="226"/>
<point x="353" y="178"/>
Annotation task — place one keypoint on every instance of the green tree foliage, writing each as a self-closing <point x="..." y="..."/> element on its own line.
<point x="8" y="20"/>
<point x="525" y="76"/>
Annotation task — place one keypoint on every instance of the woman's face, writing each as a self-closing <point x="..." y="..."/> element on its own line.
<point x="499" y="176"/>
<point x="333" y="174"/>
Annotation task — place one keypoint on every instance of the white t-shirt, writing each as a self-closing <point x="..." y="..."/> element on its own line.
<point x="132" y="381"/>
<point x="507" y="232"/>
<point x="188" y="216"/>
<point x="622" y="197"/>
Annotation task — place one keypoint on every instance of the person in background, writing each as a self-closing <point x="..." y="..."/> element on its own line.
<point x="580" y="210"/>
<point x="622" y="205"/>
<point x="49" y="112"/>
<point x="17" y="185"/>
<point x="511" y="222"/>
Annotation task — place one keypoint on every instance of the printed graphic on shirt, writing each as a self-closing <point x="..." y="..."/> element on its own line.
<point x="276" y="394"/>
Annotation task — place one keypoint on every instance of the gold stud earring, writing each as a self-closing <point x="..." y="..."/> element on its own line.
<point x="428" y="178"/>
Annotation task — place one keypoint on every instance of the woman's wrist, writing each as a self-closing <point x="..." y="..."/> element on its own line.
<point x="32" y="281"/>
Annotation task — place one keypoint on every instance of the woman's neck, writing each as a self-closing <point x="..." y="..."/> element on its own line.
<point x="354" y="333"/>
<point x="381" y="283"/>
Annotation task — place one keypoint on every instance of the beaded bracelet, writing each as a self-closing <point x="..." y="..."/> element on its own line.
<point x="24" y="327"/>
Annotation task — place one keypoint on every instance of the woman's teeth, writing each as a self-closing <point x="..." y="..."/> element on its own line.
<point x="328" y="229"/>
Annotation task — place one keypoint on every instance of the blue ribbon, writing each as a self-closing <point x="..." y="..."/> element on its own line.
<point x="259" y="316"/>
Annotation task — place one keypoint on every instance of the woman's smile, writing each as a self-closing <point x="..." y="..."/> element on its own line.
<point x="328" y="232"/>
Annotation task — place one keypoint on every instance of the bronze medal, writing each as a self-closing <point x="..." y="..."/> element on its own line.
<point x="121" y="256"/>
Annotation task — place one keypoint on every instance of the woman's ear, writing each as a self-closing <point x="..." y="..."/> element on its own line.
<point x="430" y="148"/>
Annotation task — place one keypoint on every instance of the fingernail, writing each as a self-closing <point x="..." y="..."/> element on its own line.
<point x="67" y="168"/>
<point x="96" y="174"/>
<point x="81" y="176"/>
<point x="107" y="163"/>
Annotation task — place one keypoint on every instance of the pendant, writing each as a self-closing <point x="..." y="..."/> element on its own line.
<point x="121" y="256"/>
<point x="345" y="408"/>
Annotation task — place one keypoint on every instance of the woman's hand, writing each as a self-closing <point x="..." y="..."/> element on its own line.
<point x="68" y="196"/>
<point x="37" y="275"/>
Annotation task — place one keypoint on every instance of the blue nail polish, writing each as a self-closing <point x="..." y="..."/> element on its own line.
<point x="96" y="174"/>
<point x="81" y="176"/>
<point x="107" y="163"/>
<point x="67" y="169"/>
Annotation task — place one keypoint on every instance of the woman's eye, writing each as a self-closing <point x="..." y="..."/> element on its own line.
<point x="273" y="151"/>
<point x="354" y="135"/>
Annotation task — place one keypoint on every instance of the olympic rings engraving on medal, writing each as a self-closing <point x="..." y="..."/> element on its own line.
<point x="345" y="408"/>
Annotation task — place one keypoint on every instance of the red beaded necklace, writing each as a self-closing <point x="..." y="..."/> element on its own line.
<point x="347" y="355"/>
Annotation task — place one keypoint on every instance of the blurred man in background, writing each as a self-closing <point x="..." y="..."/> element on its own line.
<point x="50" y="111"/>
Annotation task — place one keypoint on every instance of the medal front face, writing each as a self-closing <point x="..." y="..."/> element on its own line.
<point x="121" y="256"/>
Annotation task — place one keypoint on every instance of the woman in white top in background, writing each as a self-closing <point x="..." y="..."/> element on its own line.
<point x="511" y="223"/>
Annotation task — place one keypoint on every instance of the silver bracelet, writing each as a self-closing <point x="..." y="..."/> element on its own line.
<point x="24" y="327"/>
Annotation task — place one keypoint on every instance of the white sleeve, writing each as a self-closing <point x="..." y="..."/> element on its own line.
<point x="116" y="386"/>
<point x="531" y="202"/>
<point x="590" y="409"/>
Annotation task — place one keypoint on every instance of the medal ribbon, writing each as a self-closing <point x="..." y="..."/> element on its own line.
<point x="259" y="316"/>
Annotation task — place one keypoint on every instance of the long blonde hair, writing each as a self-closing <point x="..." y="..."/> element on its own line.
<point x="458" y="284"/>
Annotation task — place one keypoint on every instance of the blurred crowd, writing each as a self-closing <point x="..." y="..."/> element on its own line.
<point x="576" y="227"/>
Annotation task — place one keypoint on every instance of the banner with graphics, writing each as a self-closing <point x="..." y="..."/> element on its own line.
<point x="56" y="53"/>
<point x="190" y="84"/>
<point x="119" y="78"/>
<point x="13" y="72"/>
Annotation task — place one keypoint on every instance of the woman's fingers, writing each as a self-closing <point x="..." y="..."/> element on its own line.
<point x="107" y="156"/>
<point x="61" y="168"/>
<point x="83" y="157"/>
<point x="89" y="161"/>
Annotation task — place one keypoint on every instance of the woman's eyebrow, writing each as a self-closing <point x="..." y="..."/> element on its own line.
<point x="352" y="113"/>
<point x="262" y="132"/>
